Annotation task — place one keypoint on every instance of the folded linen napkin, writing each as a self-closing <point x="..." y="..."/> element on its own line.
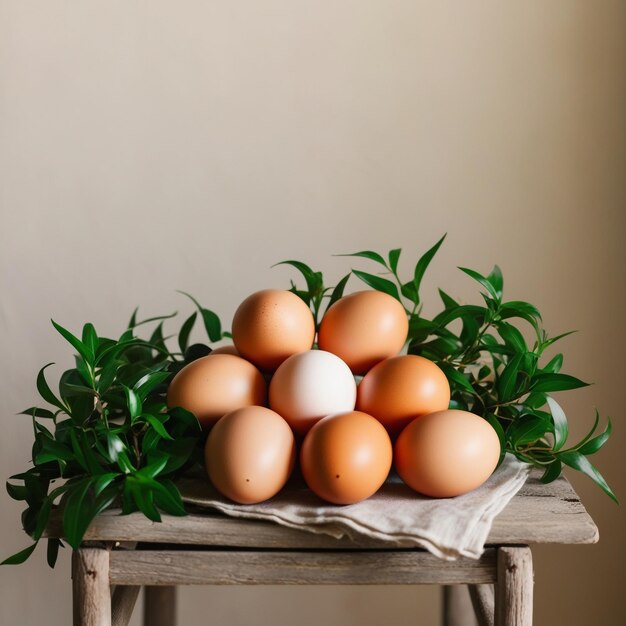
<point x="449" y="527"/>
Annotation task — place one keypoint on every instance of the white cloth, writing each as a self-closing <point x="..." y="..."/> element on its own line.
<point x="449" y="527"/>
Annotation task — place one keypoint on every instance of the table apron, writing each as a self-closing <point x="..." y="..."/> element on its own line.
<point x="277" y="567"/>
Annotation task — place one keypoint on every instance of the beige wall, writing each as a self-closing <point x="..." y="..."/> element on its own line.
<point x="150" y="146"/>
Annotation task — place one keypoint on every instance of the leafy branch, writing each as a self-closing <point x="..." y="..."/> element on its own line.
<point x="491" y="368"/>
<point x="108" y="436"/>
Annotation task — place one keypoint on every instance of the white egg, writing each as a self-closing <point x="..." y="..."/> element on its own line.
<point x="310" y="385"/>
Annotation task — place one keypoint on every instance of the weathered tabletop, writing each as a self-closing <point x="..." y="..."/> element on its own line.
<point x="204" y="548"/>
<point x="537" y="514"/>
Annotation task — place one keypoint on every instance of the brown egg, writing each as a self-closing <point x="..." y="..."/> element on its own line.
<point x="249" y="454"/>
<point x="216" y="384"/>
<point x="228" y="349"/>
<point x="363" y="329"/>
<point x="399" y="389"/>
<point x="345" y="458"/>
<point x="270" y="326"/>
<point x="447" y="453"/>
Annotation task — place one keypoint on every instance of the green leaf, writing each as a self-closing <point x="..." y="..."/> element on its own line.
<point x="314" y="280"/>
<point x="20" y="556"/>
<point x="422" y="266"/>
<point x="70" y="389"/>
<point x="103" y="481"/>
<point x="497" y="426"/>
<point x="523" y="310"/>
<point x="554" y="365"/>
<point x="90" y="339"/>
<point x="156" y="318"/>
<point x="483" y="280"/>
<point x="581" y="463"/>
<point x="526" y="429"/>
<point x="211" y="321"/>
<point x="368" y="254"/>
<point x="154" y="421"/>
<point x="45" y="392"/>
<point x="378" y="283"/>
<point x="17" y="492"/>
<point x="448" y="302"/>
<point x="52" y="551"/>
<point x="551" y="340"/>
<point x="593" y="445"/>
<point x="535" y="400"/>
<point x="143" y="497"/>
<point x="456" y="378"/>
<point x="79" y="511"/>
<point x="408" y="291"/>
<point x="461" y="311"/>
<point x="185" y="331"/>
<point x="496" y="280"/>
<point x="79" y="346"/>
<point x="115" y="350"/>
<point x="560" y="423"/>
<point x="150" y="381"/>
<point x="34" y="411"/>
<point x="134" y="403"/>
<point x="167" y="497"/>
<point x="508" y="378"/>
<point x="512" y="336"/>
<point x="338" y="290"/>
<point x="555" y="382"/>
<point x="394" y="257"/>
<point x="552" y="472"/>
<point x="52" y="450"/>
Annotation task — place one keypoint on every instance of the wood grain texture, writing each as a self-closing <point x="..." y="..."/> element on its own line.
<point x="203" y="567"/>
<point x="514" y="587"/>
<point x="123" y="601"/>
<point x="159" y="606"/>
<point x="457" y="606"/>
<point x="537" y="514"/>
<point x="482" y="597"/>
<point x="90" y="587"/>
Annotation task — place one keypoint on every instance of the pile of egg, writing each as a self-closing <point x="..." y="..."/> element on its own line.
<point x="273" y="392"/>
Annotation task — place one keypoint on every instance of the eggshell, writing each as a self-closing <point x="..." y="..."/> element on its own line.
<point x="346" y="458"/>
<point x="309" y="386"/>
<point x="399" y="389"/>
<point x="271" y="325"/>
<point x="447" y="453"/>
<point x="216" y="384"/>
<point x="249" y="454"/>
<point x="364" y="328"/>
<point x="228" y="349"/>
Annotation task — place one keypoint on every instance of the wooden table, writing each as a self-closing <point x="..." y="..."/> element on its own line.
<point x="121" y="554"/>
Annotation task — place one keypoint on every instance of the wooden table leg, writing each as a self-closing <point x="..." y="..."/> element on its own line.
<point x="159" y="606"/>
<point x="483" y="602"/>
<point x="457" y="607"/>
<point x="122" y="604"/>
<point x="90" y="587"/>
<point x="514" y="587"/>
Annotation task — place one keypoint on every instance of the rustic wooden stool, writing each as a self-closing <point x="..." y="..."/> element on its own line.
<point x="122" y="553"/>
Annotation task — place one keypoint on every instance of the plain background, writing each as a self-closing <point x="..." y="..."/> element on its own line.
<point x="151" y="146"/>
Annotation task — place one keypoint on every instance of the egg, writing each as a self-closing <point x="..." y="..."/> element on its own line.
<point x="309" y="386"/>
<point x="446" y="453"/>
<point x="345" y="458"/>
<point x="364" y="328"/>
<point x="214" y="385"/>
<point x="399" y="389"/>
<point x="227" y="349"/>
<point x="271" y="325"/>
<point x="249" y="454"/>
